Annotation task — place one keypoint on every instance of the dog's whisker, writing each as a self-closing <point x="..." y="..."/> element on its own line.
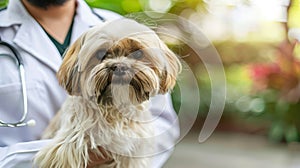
<point x="185" y="56"/>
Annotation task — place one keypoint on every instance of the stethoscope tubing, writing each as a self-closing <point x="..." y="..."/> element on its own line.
<point x="14" y="51"/>
<point x="19" y="60"/>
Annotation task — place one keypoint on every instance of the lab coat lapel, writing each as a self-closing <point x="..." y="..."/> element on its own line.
<point x="31" y="34"/>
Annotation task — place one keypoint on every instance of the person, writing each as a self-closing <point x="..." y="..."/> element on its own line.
<point x="41" y="30"/>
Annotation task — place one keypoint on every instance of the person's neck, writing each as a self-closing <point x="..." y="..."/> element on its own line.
<point x="56" y="20"/>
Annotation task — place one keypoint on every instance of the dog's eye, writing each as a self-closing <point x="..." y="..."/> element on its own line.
<point x="100" y="54"/>
<point x="137" y="54"/>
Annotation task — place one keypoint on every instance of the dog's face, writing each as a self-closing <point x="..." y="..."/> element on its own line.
<point x="121" y="61"/>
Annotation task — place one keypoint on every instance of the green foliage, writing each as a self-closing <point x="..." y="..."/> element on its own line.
<point x="283" y="115"/>
<point x="3" y="3"/>
<point x="120" y="6"/>
<point x="276" y="85"/>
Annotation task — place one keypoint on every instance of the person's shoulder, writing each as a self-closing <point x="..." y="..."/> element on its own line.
<point x="3" y="16"/>
<point x="107" y="14"/>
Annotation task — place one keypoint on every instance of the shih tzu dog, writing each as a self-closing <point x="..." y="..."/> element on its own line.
<point x="110" y="73"/>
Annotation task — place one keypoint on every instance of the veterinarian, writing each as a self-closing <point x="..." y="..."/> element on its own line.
<point x="41" y="30"/>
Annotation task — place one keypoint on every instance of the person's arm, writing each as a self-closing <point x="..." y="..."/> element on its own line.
<point x="97" y="160"/>
<point x="166" y="131"/>
<point x="20" y="154"/>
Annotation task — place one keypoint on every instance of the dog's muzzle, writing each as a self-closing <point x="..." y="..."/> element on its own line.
<point x="119" y="69"/>
<point x="121" y="73"/>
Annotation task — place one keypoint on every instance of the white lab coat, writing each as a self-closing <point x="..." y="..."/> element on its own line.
<point x="45" y="96"/>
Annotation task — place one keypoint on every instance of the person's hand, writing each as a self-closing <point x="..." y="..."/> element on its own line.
<point x="96" y="160"/>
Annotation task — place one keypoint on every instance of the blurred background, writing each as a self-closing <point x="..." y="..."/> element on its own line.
<point x="258" y="42"/>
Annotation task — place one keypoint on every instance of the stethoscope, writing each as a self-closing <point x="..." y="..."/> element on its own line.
<point x="20" y="64"/>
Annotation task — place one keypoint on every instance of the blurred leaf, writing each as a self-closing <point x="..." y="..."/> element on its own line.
<point x="270" y="96"/>
<point x="3" y="3"/>
<point x="291" y="134"/>
<point x="181" y="5"/>
<point x="130" y="6"/>
<point x="276" y="132"/>
<point x="257" y="105"/>
<point x="294" y="14"/>
<point x="113" y="5"/>
<point x="281" y="108"/>
<point x="238" y="75"/>
<point x="176" y="98"/>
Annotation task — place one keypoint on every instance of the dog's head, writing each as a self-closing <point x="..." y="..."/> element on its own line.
<point x="122" y="60"/>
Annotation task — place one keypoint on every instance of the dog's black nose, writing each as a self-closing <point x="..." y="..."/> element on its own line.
<point x="119" y="68"/>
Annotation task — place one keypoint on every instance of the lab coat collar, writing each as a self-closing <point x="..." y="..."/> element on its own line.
<point x="84" y="19"/>
<point x="15" y="14"/>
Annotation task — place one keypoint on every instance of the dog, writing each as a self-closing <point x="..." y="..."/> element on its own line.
<point x="110" y="72"/>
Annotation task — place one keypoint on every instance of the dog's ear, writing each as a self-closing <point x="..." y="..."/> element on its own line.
<point x="68" y="74"/>
<point x="171" y="69"/>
